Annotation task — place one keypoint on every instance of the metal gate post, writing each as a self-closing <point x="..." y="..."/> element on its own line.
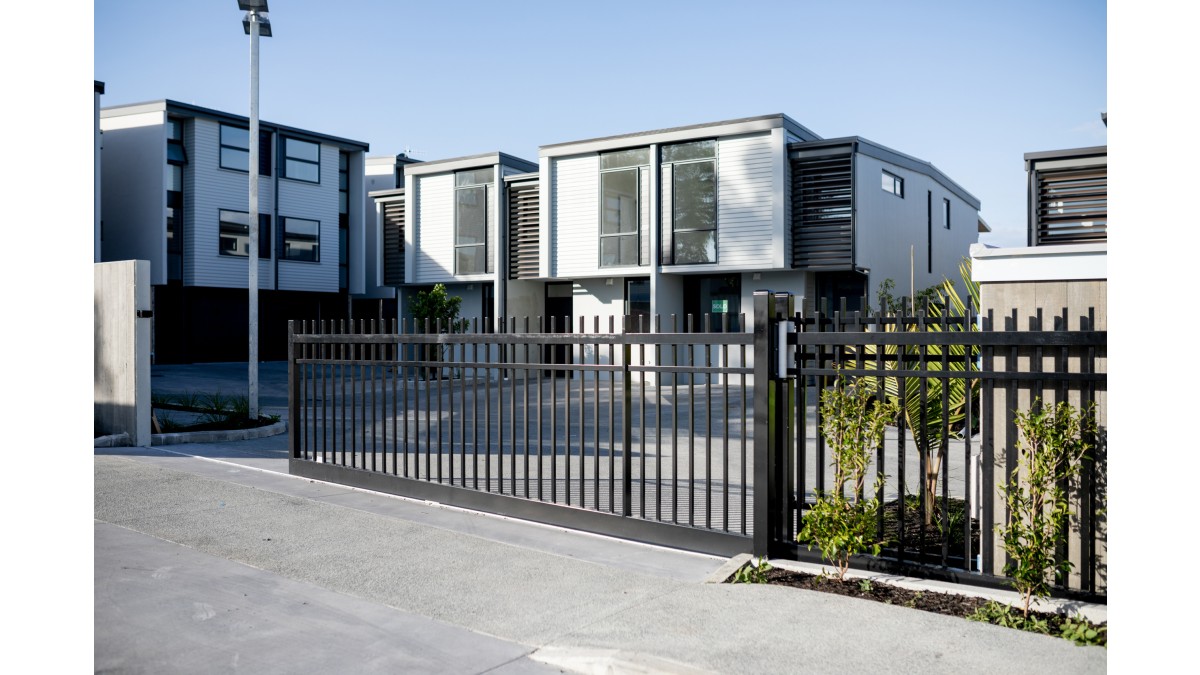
<point x="771" y="397"/>
<point x="293" y="392"/>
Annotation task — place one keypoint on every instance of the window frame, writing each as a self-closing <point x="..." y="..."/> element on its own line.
<point x="468" y="180"/>
<point x="946" y="213"/>
<point x="627" y="161"/>
<point x="264" y="233"/>
<point x="284" y="240"/>
<point x="671" y="165"/>
<point x="286" y="159"/>
<point x="897" y="184"/>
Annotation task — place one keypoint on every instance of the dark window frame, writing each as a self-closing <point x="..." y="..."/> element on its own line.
<point x="466" y="181"/>
<point x="624" y="160"/>
<point x="685" y="160"/>
<point x="285" y="239"/>
<point x="946" y="212"/>
<point x="896" y="184"/>
<point x="264" y="150"/>
<point x="286" y="158"/>
<point x="264" y="233"/>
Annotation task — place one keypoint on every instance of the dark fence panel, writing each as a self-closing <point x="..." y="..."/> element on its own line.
<point x="636" y="426"/>
<point x="945" y="463"/>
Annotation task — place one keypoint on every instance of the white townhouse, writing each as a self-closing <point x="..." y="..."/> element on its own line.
<point x="448" y="225"/>
<point x="690" y="221"/>
<point x="175" y="192"/>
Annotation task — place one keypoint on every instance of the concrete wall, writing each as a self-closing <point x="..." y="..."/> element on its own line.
<point x="122" y="349"/>
<point x="1079" y="298"/>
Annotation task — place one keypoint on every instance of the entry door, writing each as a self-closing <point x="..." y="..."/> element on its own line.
<point x="559" y="310"/>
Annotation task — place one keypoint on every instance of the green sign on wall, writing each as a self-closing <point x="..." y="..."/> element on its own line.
<point x="720" y="306"/>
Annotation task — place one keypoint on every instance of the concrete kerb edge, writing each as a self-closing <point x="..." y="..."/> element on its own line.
<point x="1093" y="612"/>
<point x="218" y="436"/>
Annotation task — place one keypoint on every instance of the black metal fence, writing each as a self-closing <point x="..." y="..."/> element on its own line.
<point x="958" y="382"/>
<point x="665" y="436"/>
<point x="646" y="435"/>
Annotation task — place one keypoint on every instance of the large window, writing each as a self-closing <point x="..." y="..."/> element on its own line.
<point x="235" y="149"/>
<point x="343" y="220"/>
<point x="620" y="206"/>
<point x="301" y="239"/>
<point x="235" y="234"/>
<point x="893" y="184"/>
<point x="301" y="160"/>
<point x="471" y="190"/>
<point x="690" y="169"/>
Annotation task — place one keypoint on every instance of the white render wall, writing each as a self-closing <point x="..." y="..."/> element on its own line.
<point x="379" y="173"/>
<point x="133" y="191"/>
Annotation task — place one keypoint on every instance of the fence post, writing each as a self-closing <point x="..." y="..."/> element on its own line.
<point x="626" y="425"/>
<point x="293" y="392"/>
<point x="771" y="396"/>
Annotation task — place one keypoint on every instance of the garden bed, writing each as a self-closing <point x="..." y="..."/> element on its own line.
<point x="950" y="604"/>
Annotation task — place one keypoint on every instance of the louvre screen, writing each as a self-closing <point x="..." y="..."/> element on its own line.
<point x="823" y="212"/>
<point x="523" y="233"/>
<point x="1072" y="206"/>
<point x="393" y="242"/>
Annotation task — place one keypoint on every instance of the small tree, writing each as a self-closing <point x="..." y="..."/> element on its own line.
<point x="1053" y="441"/>
<point x="440" y="309"/>
<point x="852" y="422"/>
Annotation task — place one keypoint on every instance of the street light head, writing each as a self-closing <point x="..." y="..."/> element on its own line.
<point x="264" y="25"/>
<point x="247" y="5"/>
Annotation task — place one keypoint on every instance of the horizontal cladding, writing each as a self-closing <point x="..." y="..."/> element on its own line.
<point x="207" y="190"/>
<point x="433" y="229"/>
<point x="575" y="194"/>
<point x="745" y="194"/>
<point x="314" y="202"/>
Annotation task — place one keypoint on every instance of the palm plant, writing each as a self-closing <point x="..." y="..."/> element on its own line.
<point x="932" y="421"/>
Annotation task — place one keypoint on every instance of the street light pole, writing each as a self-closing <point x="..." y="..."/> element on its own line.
<point x="255" y="23"/>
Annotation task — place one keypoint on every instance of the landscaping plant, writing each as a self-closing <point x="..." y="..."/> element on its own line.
<point x="1052" y="442"/>
<point x="852" y="422"/>
<point x="924" y="416"/>
<point x="753" y="572"/>
<point x="440" y="310"/>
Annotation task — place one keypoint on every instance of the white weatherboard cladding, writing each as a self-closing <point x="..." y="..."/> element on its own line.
<point x="207" y="190"/>
<point x="744" y="202"/>
<point x="647" y="226"/>
<point x="491" y="227"/>
<point x="433" y="229"/>
<point x="298" y="199"/>
<point x="576" y="196"/>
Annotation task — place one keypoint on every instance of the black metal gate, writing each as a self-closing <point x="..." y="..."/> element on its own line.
<point x="646" y="437"/>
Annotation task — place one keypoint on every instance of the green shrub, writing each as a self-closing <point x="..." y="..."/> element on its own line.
<point x="1052" y="442"/>
<point x="852" y="422"/>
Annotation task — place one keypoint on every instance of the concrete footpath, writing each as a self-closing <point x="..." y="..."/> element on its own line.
<point x="209" y="558"/>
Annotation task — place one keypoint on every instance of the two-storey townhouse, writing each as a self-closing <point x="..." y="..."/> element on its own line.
<point x="175" y="192"/>
<point x="689" y="221"/>
<point x="448" y="225"/>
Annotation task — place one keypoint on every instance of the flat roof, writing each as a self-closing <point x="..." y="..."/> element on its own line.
<point x="676" y="134"/>
<point x="1094" y="151"/>
<point x="175" y="107"/>
<point x="469" y="162"/>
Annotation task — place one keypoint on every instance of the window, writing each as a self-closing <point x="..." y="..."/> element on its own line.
<point x="235" y="149"/>
<point x="301" y="160"/>
<point x="690" y="170"/>
<point x="620" y="206"/>
<point x="946" y="213"/>
<point x="176" y="160"/>
<point x="471" y="190"/>
<point x="343" y="220"/>
<point x="235" y="234"/>
<point x="301" y="239"/>
<point x="637" y="305"/>
<point x="893" y="184"/>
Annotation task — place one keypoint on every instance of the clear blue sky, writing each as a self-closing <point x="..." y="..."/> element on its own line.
<point x="970" y="87"/>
